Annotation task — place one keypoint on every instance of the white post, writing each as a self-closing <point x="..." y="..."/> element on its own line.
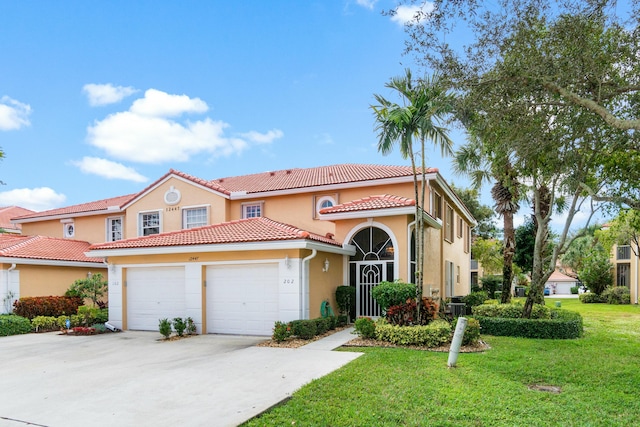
<point x="456" y="342"/>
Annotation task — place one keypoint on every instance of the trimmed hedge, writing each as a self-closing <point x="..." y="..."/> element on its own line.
<point x="471" y="332"/>
<point x="31" y="307"/>
<point x="563" y="324"/>
<point x="10" y="324"/>
<point x="434" y="334"/>
<point x="511" y="311"/>
<point x="304" y="329"/>
<point x="388" y="294"/>
<point x="592" y="298"/>
<point x="617" y="295"/>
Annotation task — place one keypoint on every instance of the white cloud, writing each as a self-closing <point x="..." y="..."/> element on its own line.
<point x="149" y="132"/>
<point x="161" y="104"/>
<point x="36" y="199"/>
<point x="104" y="94"/>
<point x="263" y="138"/>
<point x="367" y="3"/>
<point x="13" y="114"/>
<point x="108" y="169"/>
<point x="407" y="14"/>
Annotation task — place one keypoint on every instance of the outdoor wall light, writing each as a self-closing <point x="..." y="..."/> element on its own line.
<point x="326" y="265"/>
<point x="287" y="262"/>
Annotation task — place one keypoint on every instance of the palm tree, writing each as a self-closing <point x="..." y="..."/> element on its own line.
<point x="485" y="164"/>
<point x="425" y="102"/>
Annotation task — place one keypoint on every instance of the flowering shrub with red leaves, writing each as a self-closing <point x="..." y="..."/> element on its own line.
<point x="407" y="314"/>
<point x="31" y="307"/>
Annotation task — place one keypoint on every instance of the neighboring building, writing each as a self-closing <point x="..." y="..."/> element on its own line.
<point x="8" y="212"/>
<point x="625" y="269"/>
<point x="236" y="254"/>
<point x="560" y="284"/>
<point x="41" y="266"/>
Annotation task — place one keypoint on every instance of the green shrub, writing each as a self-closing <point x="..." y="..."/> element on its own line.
<point x="281" y="331"/>
<point x="31" y="307"/>
<point x="191" y="326"/>
<point x="388" y="294"/>
<point x="511" y="311"/>
<point x="343" y="319"/>
<point x="491" y="284"/>
<point x="434" y="334"/>
<point x="346" y="299"/>
<point x="574" y="290"/>
<point x="333" y="322"/>
<point x="365" y="327"/>
<point x="563" y="324"/>
<point x="99" y="328"/>
<point x="322" y="325"/>
<point x="491" y="301"/>
<point x="179" y="325"/>
<point x="407" y="313"/>
<point x="474" y="299"/>
<point x="44" y="324"/>
<point x="471" y="332"/>
<point x="617" y="295"/>
<point x="74" y="320"/>
<point x="304" y="329"/>
<point x="11" y="324"/>
<point x="165" y="327"/>
<point x="592" y="298"/>
<point x="91" y="315"/>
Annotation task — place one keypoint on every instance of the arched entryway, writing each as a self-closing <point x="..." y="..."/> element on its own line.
<point x="373" y="262"/>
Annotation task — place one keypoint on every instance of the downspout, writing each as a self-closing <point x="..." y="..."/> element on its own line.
<point x="305" y="281"/>
<point x="7" y="295"/>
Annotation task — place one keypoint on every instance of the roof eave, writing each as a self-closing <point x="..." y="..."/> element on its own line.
<point x="224" y="247"/>
<point x="371" y="213"/>
<point x="51" y="262"/>
<point x="108" y="211"/>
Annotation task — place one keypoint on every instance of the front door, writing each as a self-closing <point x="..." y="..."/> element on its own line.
<point x="372" y="263"/>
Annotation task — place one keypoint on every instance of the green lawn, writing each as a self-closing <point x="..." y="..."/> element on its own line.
<point x="599" y="376"/>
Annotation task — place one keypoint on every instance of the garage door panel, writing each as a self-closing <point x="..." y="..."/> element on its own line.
<point x="153" y="294"/>
<point x="242" y="299"/>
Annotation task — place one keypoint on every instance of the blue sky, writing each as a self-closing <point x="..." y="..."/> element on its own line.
<point x="100" y="99"/>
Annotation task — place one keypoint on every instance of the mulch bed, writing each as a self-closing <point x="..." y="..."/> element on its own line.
<point x="361" y="342"/>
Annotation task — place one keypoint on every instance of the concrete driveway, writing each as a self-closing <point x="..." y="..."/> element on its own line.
<point x="132" y="379"/>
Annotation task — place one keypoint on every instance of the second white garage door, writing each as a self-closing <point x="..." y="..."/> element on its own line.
<point x="242" y="299"/>
<point x="154" y="293"/>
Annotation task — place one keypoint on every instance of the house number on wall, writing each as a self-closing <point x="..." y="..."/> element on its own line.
<point x="172" y="208"/>
<point x="289" y="281"/>
<point x="194" y="258"/>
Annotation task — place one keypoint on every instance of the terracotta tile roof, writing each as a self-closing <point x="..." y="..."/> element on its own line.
<point x="556" y="276"/>
<point x="241" y="231"/>
<point x="98" y="205"/>
<point x="45" y="248"/>
<point x="8" y="212"/>
<point x="311" y="177"/>
<point x="384" y="201"/>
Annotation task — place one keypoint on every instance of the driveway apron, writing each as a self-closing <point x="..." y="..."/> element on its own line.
<point x="132" y="379"/>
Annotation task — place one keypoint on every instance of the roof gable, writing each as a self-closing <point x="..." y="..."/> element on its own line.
<point x="8" y="212"/>
<point x="98" y="206"/>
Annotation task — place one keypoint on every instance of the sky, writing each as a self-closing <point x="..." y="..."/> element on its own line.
<point x="100" y="99"/>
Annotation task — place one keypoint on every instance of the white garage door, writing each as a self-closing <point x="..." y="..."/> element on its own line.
<point x="242" y="299"/>
<point x="154" y="294"/>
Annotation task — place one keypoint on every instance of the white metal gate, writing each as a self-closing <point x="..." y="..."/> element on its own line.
<point x="369" y="275"/>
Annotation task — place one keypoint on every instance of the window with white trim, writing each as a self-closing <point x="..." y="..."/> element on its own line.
<point x="194" y="217"/>
<point x="114" y="229"/>
<point x="252" y="210"/>
<point x="448" y="226"/>
<point x="324" y="202"/>
<point x="148" y="223"/>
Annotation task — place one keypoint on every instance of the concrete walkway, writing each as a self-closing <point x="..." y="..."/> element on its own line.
<point x="133" y="379"/>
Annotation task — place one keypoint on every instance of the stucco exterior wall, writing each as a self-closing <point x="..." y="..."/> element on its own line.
<point x="91" y="229"/>
<point x="171" y="215"/>
<point x="323" y="284"/>
<point x="38" y="280"/>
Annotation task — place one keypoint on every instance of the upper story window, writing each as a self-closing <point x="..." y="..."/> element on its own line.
<point x="623" y="252"/>
<point x="114" y="229"/>
<point x="467" y="238"/>
<point x="460" y="226"/>
<point x="194" y="217"/>
<point x="448" y="223"/>
<point x="148" y="223"/>
<point x="324" y="202"/>
<point x="436" y="210"/>
<point x="252" y="210"/>
<point x="69" y="230"/>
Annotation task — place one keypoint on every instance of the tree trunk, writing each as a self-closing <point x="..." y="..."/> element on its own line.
<point x="508" y="253"/>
